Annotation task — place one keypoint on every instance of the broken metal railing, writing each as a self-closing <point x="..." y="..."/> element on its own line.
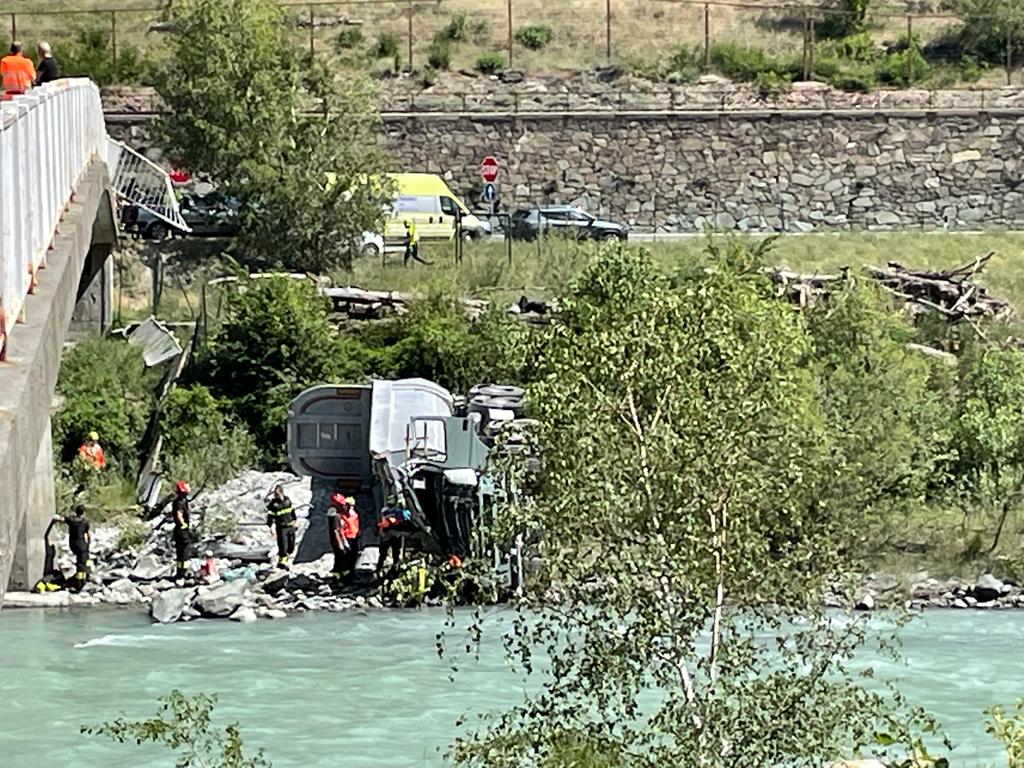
<point x="140" y="182"/>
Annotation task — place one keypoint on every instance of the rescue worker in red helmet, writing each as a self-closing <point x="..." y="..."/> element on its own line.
<point x="343" y="532"/>
<point x="181" y="535"/>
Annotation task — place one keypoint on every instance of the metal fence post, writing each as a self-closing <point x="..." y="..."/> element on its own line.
<point x="810" y="48"/>
<point x="113" y="45"/>
<point x="1009" y="54"/>
<point x="14" y="27"/>
<point x="806" y="51"/>
<point x="312" y="35"/>
<point x="510" y="33"/>
<point x="410" y="36"/>
<point x="608" y="29"/>
<point x="707" y="36"/>
<point x="910" y="47"/>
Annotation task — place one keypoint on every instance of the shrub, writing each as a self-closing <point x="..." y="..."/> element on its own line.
<point x="985" y="24"/>
<point x="276" y="340"/>
<point x="456" y="29"/>
<point x="769" y="84"/>
<point x="904" y="65"/>
<point x="200" y="441"/>
<point x="685" y="64"/>
<point x="859" y="79"/>
<point x="131" y="535"/>
<point x="89" y="54"/>
<point x="535" y="36"/>
<point x="348" y="38"/>
<point x="386" y="47"/>
<point x="428" y="77"/>
<point x="439" y="54"/>
<point x="849" y="18"/>
<point x="744" y="64"/>
<point x="490" y="62"/>
<point x="106" y="389"/>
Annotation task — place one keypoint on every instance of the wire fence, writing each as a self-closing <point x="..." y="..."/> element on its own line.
<point x="639" y="33"/>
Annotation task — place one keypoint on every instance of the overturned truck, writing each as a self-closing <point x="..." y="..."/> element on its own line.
<point x="411" y="440"/>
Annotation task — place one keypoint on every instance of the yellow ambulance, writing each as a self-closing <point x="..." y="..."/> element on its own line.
<point x="426" y="200"/>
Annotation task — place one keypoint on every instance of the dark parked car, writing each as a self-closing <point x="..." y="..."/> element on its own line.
<point x="528" y="223"/>
<point x="212" y="215"/>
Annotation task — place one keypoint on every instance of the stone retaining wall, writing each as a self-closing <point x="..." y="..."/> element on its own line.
<point x="751" y="171"/>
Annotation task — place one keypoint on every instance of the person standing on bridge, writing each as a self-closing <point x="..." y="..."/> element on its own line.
<point x="17" y="72"/>
<point x="281" y="516"/>
<point x="47" y="70"/>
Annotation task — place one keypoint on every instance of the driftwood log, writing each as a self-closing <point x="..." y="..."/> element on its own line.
<point x="952" y="292"/>
<point x="359" y="304"/>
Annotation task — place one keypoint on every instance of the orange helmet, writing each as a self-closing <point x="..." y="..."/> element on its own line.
<point x="183" y="487"/>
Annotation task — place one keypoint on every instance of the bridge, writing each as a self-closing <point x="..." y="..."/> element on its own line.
<point x="60" y="179"/>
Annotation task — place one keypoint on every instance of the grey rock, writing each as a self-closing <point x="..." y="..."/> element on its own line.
<point x="988" y="588"/>
<point x="865" y="602"/>
<point x="275" y="582"/>
<point x="244" y="614"/>
<point x="221" y="600"/>
<point x="511" y="76"/>
<point x="276" y="613"/>
<point x="168" y="606"/>
<point x="150" y="568"/>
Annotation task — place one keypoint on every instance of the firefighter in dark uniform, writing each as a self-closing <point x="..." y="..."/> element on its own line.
<point x="281" y="516"/>
<point x="181" y="516"/>
<point x="78" y="542"/>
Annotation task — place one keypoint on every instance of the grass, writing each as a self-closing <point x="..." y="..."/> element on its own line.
<point x="542" y="268"/>
<point x="644" y="33"/>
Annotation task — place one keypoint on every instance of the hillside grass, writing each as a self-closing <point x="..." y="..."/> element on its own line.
<point x="645" y="34"/>
<point x="541" y="269"/>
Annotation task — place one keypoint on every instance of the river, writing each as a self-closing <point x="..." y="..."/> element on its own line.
<point x="368" y="690"/>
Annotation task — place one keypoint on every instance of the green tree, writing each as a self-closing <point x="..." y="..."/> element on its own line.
<point x="989" y="437"/>
<point x="185" y="726"/>
<point x="686" y="537"/>
<point x="106" y="389"/>
<point x="295" y="146"/>
<point x="200" y="442"/>
<point x="887" y="406"/>
<point x="849" y="18"/>
<point x="986" y="26"/>
<point x="275" y="341"/>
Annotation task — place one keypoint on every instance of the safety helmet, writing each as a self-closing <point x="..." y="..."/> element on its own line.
<point x="407" y="223"/>
<point x="94" y="436"/>
<point x="338" y="500"/>
<point x="183" y="487"/>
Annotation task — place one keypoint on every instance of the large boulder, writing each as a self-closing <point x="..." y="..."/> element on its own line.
<point x="989" y="588"/>
<point x="149" y="568"/>
<point x="221" y="600"/>
<point x="123" y="592"/>
<point x="246" y="554"/>
<point x="167" y="606"/>
<point x="244" y="614"/>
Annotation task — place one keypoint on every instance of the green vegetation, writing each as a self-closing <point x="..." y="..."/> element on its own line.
<point x="849" y="18"/>
<point x="200" y="440"/>
<point x="106" y="389"/>
<point x="185" y="726"/>
<point x="985" y="28"/>
<point x="386" y="47"/>
<point x="89" y="53"/>
<point x="348" y="38"/>
<point x="1009" y="729"/>
<point x="490" y="62"/>
<point x="534" y="36"/>
<point x="304" y="203"/>
<point x="439" y="55"/>
<point x="687" y="413"/>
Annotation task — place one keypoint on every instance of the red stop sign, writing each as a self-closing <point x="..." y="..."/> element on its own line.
<point x="489" y="168"/>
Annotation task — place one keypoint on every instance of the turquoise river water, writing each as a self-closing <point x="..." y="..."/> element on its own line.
<point x="368" y="690"/>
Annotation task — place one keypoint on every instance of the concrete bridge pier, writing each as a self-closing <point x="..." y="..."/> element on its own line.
<point x="40" y="503"/>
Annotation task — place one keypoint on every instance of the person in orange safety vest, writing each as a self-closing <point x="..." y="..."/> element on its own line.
<point x="343" y="531"/>
<point x="91" y="452"/>
<point x="17" y="71"/>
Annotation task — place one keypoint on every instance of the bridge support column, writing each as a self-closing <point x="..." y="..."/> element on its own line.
<point x="40" y="506"/>
<point x="94" y="311"/>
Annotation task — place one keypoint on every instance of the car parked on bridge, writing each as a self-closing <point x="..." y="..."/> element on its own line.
<point x="568" y="220"/>
<point x="210" y="215"/>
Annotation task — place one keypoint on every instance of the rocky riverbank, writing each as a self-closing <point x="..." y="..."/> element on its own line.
<point x="247" y="587"/>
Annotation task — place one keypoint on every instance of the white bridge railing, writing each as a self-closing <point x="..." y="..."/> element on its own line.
<point x="48" y="138"/>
